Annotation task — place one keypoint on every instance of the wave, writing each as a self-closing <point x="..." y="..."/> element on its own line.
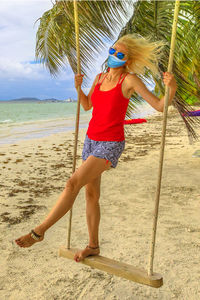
<point x="6" y="121"/>
<point x="12" y="123"/>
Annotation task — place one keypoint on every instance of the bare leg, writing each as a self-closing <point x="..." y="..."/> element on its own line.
<point x="89" y="170"/>
<point x="92" y="195"/>
<point x="93" y="219"/>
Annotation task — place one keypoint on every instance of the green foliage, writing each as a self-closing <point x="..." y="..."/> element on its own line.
<point x="55" y="40"/>
<point x="154" y="19"/>
<point x="99" y="20"/>
<point x="192" y="100"/>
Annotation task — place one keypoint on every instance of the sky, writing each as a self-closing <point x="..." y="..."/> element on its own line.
<point x="19" y="76"/>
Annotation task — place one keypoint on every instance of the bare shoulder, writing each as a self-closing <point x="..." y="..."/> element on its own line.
<point x="102" y="75"/>
<point x="97" y="77"/>
<point x="132" y="78"/>
<point x="131" y="81"/>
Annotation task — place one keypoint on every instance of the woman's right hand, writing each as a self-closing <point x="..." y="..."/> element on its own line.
<point x="78" y="79"/>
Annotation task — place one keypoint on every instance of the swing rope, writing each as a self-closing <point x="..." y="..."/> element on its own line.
<point x="170" y="64"/>
<point x="78" y="109"/>
<point x="171" y="55"/>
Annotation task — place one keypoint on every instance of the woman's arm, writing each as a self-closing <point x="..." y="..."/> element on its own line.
<point x="85" y="100"/>
<point x="157" y="103"/>
<point x="170" y="81"/>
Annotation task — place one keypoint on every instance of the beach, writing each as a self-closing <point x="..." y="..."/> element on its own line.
<point x="34" y="173"/>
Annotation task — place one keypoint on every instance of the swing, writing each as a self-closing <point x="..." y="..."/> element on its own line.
<point x="106" y="264"/>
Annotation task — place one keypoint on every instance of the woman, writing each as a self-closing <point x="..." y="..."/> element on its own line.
<point x="104" y="141"/>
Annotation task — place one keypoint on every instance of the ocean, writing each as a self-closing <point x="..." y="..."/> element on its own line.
<point x="29" y="120"/>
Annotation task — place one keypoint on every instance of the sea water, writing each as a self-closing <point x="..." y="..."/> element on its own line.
<point x="28" y="120"/>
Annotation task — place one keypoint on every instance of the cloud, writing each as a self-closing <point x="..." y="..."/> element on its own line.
<point x="17" y="34"/>
<point x="18" y="37"/>
<point x="12" y="69"/>
<point x="17" y="54"/>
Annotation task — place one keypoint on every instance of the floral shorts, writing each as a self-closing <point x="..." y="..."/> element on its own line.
<point x="103" y="149"/>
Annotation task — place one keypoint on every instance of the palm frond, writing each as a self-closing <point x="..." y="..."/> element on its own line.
<point x="154" y="19"/>
<point x="100" y="20"/>
<point x="55" y="40"/>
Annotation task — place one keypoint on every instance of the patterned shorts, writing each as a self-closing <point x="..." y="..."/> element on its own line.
<point x="103" y="149"/>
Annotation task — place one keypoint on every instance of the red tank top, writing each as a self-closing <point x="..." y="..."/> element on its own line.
<point x="109" y="110"/>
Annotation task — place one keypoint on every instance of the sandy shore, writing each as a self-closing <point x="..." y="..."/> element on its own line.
<point x="33" y="174"/>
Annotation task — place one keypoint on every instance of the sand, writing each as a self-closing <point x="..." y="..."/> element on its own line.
<point x="33" y="173"/>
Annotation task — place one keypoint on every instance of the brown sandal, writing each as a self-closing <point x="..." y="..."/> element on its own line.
<point x="35" y="236"/>
<point x="92" y="247"/>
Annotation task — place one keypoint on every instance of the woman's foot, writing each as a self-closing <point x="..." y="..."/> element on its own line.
<point x="80" y="255"/>
<point x="30" y="239"/>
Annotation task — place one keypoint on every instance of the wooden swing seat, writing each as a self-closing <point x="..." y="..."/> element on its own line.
<point x="114" y="267"/>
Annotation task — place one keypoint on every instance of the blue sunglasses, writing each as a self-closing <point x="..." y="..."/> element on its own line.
<point x="120" y="55"/>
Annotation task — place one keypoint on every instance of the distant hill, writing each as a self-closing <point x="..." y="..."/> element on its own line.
<point x="27" y="99"/>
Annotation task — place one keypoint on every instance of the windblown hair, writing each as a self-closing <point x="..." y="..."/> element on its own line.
<point x="142" y="52"/>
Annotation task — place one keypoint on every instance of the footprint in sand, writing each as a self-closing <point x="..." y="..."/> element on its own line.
<point x="21" y="183"/>
<point x="6" y="161"/>
<point x="18" y="160"/>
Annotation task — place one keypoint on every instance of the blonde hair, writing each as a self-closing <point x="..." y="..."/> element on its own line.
<point x="142" y="52"/>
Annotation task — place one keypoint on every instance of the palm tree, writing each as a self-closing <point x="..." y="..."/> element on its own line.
<point x="158" y="17"/>
<point x="100" y="20"/>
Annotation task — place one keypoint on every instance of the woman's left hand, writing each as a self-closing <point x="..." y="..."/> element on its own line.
<point x="169" y="80"/>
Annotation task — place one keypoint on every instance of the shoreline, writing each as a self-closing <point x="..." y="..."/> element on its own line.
<point x="34" y="173"/>
<point x="15" y="132"/>
<point x="20" y="132"/>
